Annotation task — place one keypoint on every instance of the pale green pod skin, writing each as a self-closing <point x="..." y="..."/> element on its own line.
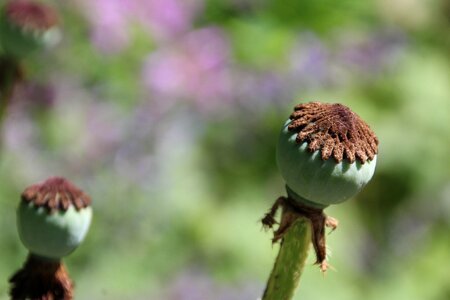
<point x="52" y="235"/>
<point x="321" y="182"/>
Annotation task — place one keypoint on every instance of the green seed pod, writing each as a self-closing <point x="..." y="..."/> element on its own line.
<point x="25" y="27"/>
<point x="53" y="218"/>
<point x="326" y="154"/>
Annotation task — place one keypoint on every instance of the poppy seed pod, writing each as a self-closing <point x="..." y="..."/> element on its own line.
<point x="326" y="153"/>
<point x="26" y="26"/>
<point x="52" y="219"/>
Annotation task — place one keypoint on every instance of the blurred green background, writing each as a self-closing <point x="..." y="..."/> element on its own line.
<point x="167" y="113"/>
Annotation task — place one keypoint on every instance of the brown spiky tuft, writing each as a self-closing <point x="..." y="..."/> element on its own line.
<point x="30" y="15"/>
<point x="41" y="280"/>
<point x="56" y="193"/>
<point x="334" y="130"/>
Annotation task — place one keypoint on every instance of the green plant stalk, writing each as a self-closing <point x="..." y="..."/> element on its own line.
<point x="9" y="75"/>
<point x="290" y="261"/>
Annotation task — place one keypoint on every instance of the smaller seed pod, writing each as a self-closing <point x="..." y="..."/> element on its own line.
<point x="53" y="218"/>
<point x="26" y="26"/>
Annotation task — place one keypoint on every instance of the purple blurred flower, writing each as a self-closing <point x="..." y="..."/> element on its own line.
<point x="36" y="96"/>
<point x="166" y="18"/>
<point x="371" y="55"/>
<point x="196" y="68"/>
<point x="109" y="21"/>
<point x="311" y="61"/>
<point x="162" y="19"/>
<point x="315" y="65"/>
<point x="193" y="285"/>
<point x="256" y="91"/>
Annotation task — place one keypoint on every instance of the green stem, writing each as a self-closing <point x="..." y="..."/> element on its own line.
<point x="290" y="261"/>
<point x="9" y="76"/>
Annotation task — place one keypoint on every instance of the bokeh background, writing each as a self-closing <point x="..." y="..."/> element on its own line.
<point x="167" y="113"/>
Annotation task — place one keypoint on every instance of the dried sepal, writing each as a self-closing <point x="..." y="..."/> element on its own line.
<point x="291" y="211"/>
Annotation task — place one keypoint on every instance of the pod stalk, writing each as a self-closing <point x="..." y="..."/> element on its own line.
<point x="300" y="225"/>
<point x="41" y="279"/>
<point x="288" y="267"/>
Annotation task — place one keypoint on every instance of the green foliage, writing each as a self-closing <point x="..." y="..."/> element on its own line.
<point x="260" y="44"/>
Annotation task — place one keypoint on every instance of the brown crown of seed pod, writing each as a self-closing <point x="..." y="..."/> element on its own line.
<point x="30" y="15"/>
<point x="334" y="130"/>
<point x="56" y="193"/>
